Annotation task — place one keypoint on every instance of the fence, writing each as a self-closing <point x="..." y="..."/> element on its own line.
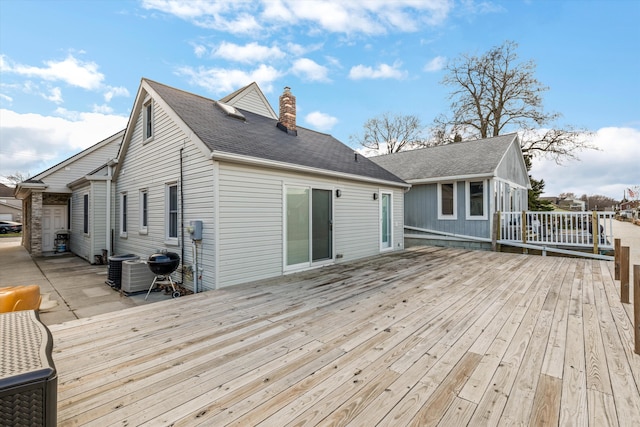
<point x="576" y="229"/>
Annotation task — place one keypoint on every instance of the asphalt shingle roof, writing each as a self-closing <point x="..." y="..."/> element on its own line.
<point x="259" y="137"/>
<point x="479" y="157"/>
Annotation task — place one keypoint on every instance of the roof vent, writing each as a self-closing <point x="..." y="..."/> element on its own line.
<point x="230" y="111"/>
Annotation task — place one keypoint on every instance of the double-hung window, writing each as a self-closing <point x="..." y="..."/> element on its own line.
<point x="447" y="205"/>
<point x="144" y="211"/>
<point x="85" y="214"/>
<point x="171" y="214"/>
<point x="123" y="215"/>
<point x="476" y="200"/>
<point x="148" y="120"/>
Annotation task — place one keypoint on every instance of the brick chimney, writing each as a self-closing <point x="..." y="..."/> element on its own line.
<point x="287" y="117"/>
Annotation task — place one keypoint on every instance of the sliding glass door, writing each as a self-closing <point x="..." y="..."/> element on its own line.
<point x="309" y="226"/>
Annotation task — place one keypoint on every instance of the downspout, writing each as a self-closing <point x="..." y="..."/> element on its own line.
<point x="181" y="219"/>
<point x="110" y="166"/>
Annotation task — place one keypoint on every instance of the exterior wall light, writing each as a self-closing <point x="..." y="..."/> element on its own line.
<point x="338" y="193"/>
<point x="375" y="196"/>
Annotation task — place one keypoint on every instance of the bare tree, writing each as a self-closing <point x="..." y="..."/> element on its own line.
<point x="394" y="132"/>
<point x="494" y="94"/>
<point x="17" y="178"/>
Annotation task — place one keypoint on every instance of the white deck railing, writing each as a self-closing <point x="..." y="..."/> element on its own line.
<point x="579" y="229"/>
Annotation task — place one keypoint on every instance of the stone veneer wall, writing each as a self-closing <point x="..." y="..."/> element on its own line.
<point x="35" y="223"/>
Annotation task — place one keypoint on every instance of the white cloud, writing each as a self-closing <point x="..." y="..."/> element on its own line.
<point x="321" y="121"/>
<point x="232" y="17"/>
<point x="32" y="143"/>
<point x="199" y="50"/>
<point x="102" y="109"/>
<point x="605" y="172"/>
<point x="310" y="70"/>
<point x="249" y="53"/>
<point x="6" y="98"/>
<point x="436" y="64"/>
<point x="382" y="71"/>
<point x="225" y="81"/>
<point x="111" y="91"/>
<point x="55" y="96"/>
<point x="71" y="71"/>
<point x="347" y="17"/>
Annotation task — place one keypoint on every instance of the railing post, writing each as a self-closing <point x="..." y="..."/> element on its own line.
<point x="495" y="235"/>
<point x="616" y="257"/>
<point x="523" y="231"/>
<point x="636" y="306"/>
<point x="595" y="231"/>
<point x="624" y="274"/>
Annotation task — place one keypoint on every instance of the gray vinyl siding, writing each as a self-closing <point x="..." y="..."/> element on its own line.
<point x="398" y="219"/>
<point x="58" y="180"/>
<point x="87" y="245"/>
<point x="98" y="218"/>
<point x="511" y="167"/>
<point x="80" y="242"/>
<point x="421" y="210"/>
<point x="151" y="166"/>
<point x="250" y="229"/>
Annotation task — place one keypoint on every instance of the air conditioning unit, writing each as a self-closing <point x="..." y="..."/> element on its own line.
<point x="136" y="276"/>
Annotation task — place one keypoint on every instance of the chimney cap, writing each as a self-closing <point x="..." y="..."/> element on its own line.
<point x="287" y="89"/>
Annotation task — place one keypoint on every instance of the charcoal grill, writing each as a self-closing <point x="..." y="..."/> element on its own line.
<point x="162" y="265"/>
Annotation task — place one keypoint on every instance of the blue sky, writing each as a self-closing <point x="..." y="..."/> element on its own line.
<point x="69" y="70"/>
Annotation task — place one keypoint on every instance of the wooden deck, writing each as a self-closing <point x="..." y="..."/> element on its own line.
<point x="426" y="337"/>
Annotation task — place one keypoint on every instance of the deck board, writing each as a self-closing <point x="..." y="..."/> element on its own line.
<point x="428" y="336"/>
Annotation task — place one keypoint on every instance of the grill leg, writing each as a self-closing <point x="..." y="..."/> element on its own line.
<point x="151" y="287"/>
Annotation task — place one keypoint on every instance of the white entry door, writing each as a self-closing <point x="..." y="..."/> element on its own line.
<point x="54" y="218"/>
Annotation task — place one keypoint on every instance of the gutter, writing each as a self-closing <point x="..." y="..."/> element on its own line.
<point x="254" y="161"/>
<point x="450" y="178"/>
<point x="23" y="189"/>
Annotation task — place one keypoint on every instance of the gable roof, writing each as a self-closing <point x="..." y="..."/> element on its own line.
<point x="460" y="160"/>
<point x="5" y="191"/>
<point x="257" y="139"/>
<point x="252" y="99"/>
<point x="111" y="144"/>
<point x="115" y="137"/>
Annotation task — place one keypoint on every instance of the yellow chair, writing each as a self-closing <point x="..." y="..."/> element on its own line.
<point x="18" y="298"/>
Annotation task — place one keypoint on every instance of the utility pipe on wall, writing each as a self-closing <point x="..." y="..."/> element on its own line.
<point x="110" y="165"/>
<point x="181" y="218"/>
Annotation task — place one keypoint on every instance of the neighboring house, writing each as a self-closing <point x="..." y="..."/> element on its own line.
<point x="456" y="188"/>
<point x="272" y="197"/>
<point x="569" y="204"/>
<point x="48" y="206"/>
<point x="10" y="207"/>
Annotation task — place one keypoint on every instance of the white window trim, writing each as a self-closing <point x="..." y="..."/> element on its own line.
<point x="145" y="119"/>
<point x="86" y="204"/>
<point x="391" y="241"/>
<point x="143" y="229"/>
<point x="173" y="241"/>
<point x="455" y="201"/>
<point x="123" y="195"/>
<point x="467" y="197"/>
